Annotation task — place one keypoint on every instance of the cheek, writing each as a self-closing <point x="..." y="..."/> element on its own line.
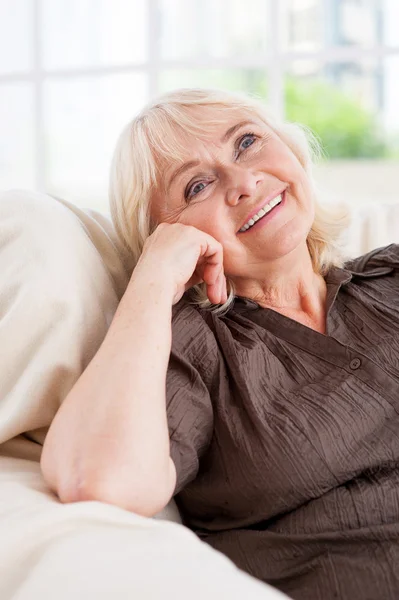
<point x="282" y="162"/>
<point x="207" y="218"/>
<point x="305" y="193"/>
<point x="293" y="173"/>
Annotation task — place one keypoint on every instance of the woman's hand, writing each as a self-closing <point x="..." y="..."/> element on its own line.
<point x="183" y="256"/>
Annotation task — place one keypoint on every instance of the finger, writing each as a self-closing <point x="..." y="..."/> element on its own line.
<point x="221" y="288"/>
<point x="215" y="291"/>
<point x="212" y="254"/>
<point x="212" y="273"/>
<point x="212" y="294"/>
<point x="225" y="294"/>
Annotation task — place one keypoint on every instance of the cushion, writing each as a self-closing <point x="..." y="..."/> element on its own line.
<point x="61" y="279"/>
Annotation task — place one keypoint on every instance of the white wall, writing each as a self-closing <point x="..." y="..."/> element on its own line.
<point x="359" y="182"/>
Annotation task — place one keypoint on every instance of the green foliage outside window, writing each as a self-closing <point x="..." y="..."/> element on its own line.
<point x="345" y="129"/>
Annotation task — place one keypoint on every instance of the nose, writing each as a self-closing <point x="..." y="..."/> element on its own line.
<point x="241" y="184"/>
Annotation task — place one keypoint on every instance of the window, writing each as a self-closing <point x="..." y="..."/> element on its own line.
<point x="74" y="72"/>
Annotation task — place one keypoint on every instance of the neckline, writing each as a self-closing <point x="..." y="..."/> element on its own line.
<point x="335" y="277"/>
<point x="297" y="333"/>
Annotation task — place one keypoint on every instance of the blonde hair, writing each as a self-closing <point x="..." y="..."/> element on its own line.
<point x="150" y="139"/>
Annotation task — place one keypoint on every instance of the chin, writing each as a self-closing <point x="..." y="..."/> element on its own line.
<point x="288" y="241"/>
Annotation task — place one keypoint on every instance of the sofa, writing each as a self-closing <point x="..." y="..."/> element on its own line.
<point x="63" y="272"/>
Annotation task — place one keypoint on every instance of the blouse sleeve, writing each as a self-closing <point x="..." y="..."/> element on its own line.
<point x="192" y="368"/>
<point x="384" y="257"/>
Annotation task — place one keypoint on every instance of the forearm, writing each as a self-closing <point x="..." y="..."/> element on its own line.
<point x="110" y="436"/>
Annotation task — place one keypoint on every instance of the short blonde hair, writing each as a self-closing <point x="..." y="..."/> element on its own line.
<point x="150" y="139"/>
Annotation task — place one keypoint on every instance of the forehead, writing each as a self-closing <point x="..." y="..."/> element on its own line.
<point x="203" y="126"/>
<point x="209" y="123"/>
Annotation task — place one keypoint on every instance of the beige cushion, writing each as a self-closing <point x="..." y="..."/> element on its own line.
<point x="61" y="280"/>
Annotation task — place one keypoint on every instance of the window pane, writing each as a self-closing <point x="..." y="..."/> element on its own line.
<point x="390" y="102"/>
<point x="17" y="136"/>
<point x="390" y="12"/>
<point x="16" y="35"/>
<point x="351" y="106"/>
<point x="244" y="80"/>
<point x="302" y="25"/>
<point x="200" y="28"/>
<point x="88" y="33"/>
<point x="311" y="24"/>
<point x="84" y="118"/>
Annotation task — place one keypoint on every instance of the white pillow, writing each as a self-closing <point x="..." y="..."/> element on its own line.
<point x="61" y="280"/>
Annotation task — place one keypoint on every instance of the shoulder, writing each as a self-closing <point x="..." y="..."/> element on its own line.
<point x="386" y="257"/>
<point x="191" y="334"/>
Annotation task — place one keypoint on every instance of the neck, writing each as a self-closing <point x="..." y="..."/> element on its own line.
<point x="290" y="286"/>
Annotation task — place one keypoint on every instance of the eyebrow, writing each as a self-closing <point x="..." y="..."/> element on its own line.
<point x="235" y="128"/>
<point x="183" y="168"/>
<point x="195" y="163"/>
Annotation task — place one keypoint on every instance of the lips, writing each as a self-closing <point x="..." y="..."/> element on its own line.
<point x="262" y="210"/>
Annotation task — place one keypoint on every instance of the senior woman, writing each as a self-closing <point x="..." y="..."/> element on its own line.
<point x="248" y="370"/>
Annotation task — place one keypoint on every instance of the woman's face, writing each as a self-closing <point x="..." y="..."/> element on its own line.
<point x="227" y="179"/>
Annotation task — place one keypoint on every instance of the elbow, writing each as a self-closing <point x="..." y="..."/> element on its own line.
<point x="140" y="505"/>
<point x="127" y="488"/>
<point x="143" y="498"/>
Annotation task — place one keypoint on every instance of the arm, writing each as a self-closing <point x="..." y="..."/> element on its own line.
<point x="109" y="441"/>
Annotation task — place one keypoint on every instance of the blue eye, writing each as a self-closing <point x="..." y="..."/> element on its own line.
<point x="246" y="141"/>
<point x="196" y="189"/>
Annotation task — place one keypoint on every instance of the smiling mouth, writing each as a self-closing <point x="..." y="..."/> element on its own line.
<point x="262" y="213"/>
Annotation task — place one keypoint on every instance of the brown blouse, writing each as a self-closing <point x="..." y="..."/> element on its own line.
<point x="286" y="440"/>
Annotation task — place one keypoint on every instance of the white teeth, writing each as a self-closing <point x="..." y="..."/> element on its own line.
<point x="275" y="201"/>
<point x="262" y="212"/>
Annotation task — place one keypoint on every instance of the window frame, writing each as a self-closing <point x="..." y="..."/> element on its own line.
<point x="275" y="63"/>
